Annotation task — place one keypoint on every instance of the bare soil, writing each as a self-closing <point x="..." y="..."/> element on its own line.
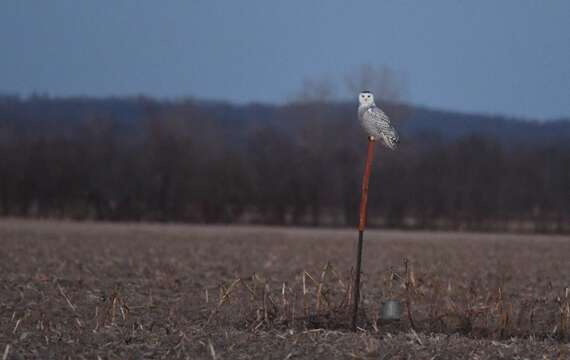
<point x="84" y="290"/>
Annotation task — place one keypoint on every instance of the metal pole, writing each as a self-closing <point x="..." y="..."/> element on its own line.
<point x="361" y="226"/>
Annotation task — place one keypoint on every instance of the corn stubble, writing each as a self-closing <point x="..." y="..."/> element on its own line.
<point x="311" y="301"/>
<point x="149" y="291"/>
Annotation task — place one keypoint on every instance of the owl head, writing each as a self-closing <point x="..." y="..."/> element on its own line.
<point x="366" y="98"/>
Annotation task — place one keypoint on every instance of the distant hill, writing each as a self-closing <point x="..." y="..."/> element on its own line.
<point x="47" y="114"/>
<point x="421" y="121"/>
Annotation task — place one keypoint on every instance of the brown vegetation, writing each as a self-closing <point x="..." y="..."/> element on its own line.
<point x="132" y="291"/>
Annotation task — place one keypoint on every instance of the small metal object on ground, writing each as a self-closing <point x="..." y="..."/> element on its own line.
<point x="361" y="226"/>
<point x="390" y="310"/>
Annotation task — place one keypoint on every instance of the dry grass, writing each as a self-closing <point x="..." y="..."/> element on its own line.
<point x="133" y="291"/>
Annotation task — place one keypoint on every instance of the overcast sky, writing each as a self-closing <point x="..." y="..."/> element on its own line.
<point x="510" y="57"/>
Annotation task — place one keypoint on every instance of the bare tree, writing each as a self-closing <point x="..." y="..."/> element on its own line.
<point x="312" y="111"/>
<point x="384" y="82"/>
<point x="300" y="163"/>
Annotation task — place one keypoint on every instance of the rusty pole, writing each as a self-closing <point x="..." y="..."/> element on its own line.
<point x="361" y="226"/>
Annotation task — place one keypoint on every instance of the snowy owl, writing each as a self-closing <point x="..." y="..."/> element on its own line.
<point x="375" y="121"/>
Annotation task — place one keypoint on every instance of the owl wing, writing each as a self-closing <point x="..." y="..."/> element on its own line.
<point x="379" y="120"/>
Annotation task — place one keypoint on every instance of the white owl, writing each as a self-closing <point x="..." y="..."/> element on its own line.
<point x="375" y="121"/>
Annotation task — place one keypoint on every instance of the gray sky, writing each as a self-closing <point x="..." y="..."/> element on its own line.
<point x="508" y="56"/>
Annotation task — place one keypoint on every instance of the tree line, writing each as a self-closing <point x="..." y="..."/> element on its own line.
<point x="296" y="164"/>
